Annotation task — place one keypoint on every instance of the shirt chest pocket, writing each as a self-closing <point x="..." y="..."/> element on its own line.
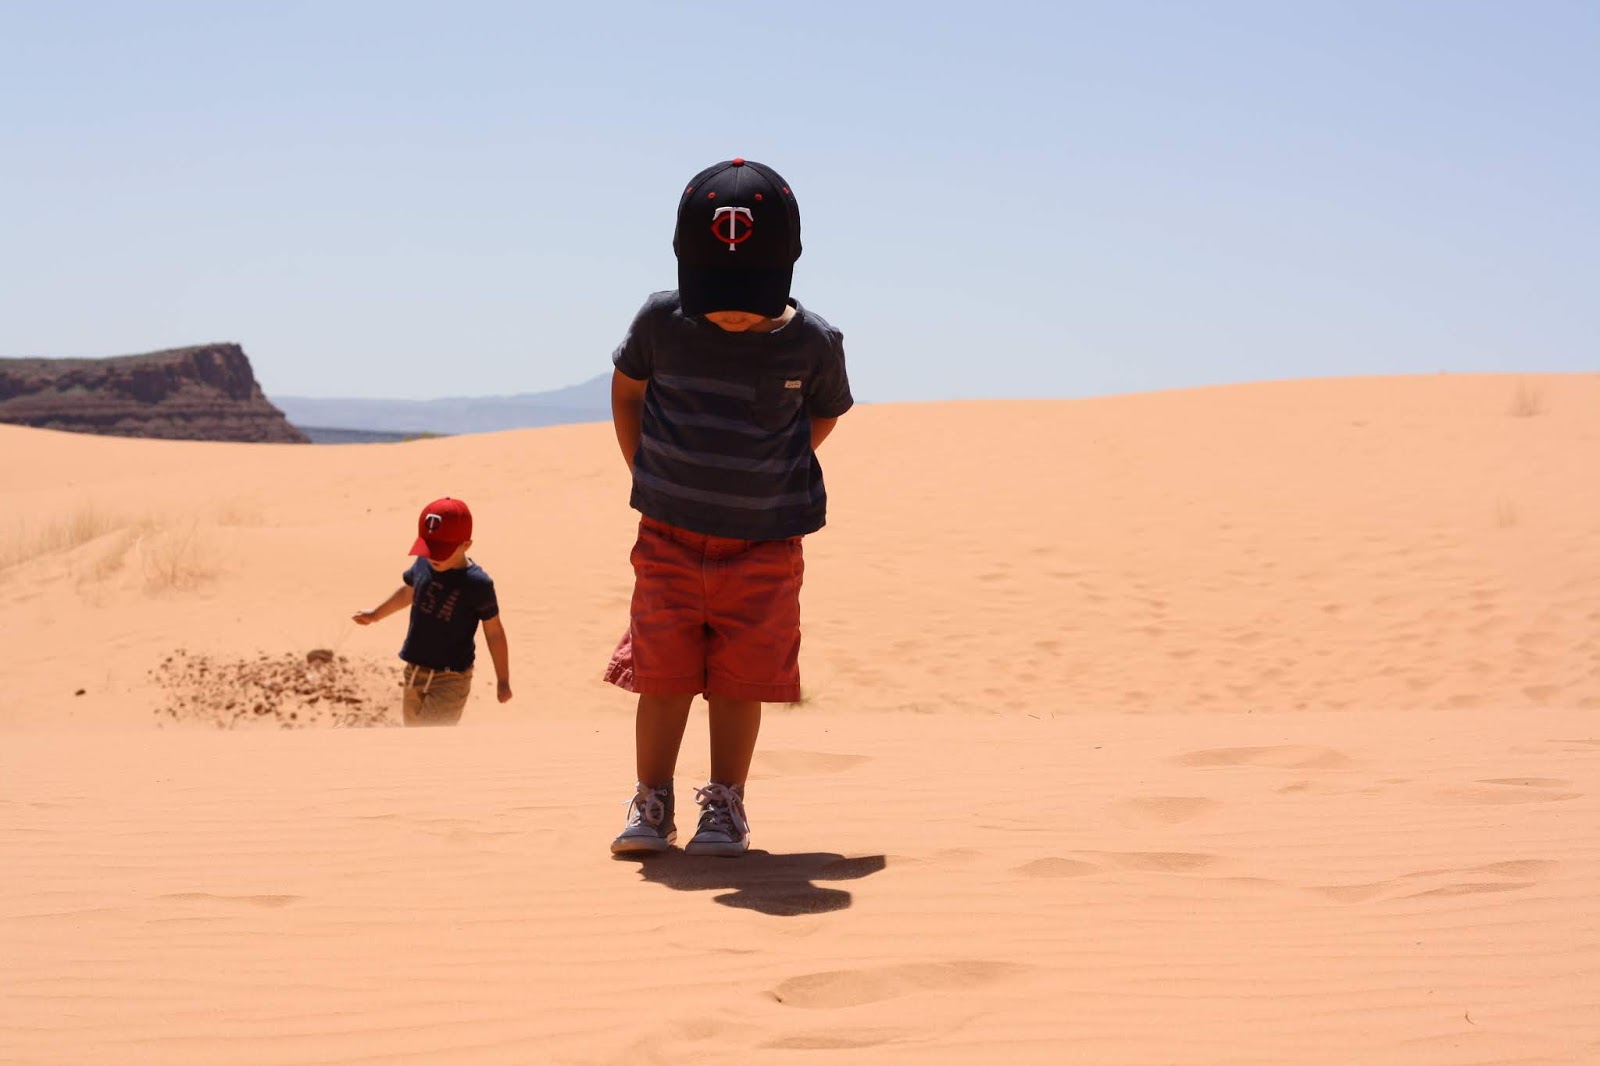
<point x="779" y="399"/>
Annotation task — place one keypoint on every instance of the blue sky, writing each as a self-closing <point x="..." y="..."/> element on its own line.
<point x="1000" y="200"/>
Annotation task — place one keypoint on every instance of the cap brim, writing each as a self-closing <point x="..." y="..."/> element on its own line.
<point x="703" y="289"/>
<point x="437" y="550"/>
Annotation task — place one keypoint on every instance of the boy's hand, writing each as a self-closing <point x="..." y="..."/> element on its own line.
<point x="503" y="690"/>
<point x="399" y="598"/>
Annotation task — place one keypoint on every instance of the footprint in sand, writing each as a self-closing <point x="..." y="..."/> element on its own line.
<point x="946" y="857"/>
<point x="1507" y="876"/>
<point x="1518" y="868"/>
<point x="800" y="763"/>
<point x="852" y="988"/>
<point x="1283" y="756"/>
<point x="252" y="901"/>
<point x="836" y="1039"/>
<point x="1167" y="810"/>
<point x="1324" y="788"/>
<point x="1472" y="888"/>
<point x="1168" y="862"/>
<point x="1508" y="790"/>
<point x="1053" y="866"/>
<point x="1352" y="893"/>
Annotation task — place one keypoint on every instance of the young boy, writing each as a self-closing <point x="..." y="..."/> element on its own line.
<point x="722" y="392"/>
<point x="449" y="595"/>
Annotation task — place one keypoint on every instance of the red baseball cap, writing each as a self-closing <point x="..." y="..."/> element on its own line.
<point x="441" y="528"/>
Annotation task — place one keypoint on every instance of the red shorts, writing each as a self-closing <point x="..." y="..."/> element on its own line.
<point x="712" y="615"/>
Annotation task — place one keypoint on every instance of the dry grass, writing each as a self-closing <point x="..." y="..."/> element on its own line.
<point x="172" y="557"/>
<point x="27" y="542"/>
<point x="177" y="559"/>
<point x="111" y="561"/>
<point x="238" y="513"/>
<point x="1527" y="401"/>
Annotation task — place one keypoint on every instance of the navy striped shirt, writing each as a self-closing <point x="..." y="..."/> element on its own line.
<point x="446" y="607"/>
<point x="725" y="447"/>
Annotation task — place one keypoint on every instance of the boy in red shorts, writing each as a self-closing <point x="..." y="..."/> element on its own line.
<point x="722" y="392"/>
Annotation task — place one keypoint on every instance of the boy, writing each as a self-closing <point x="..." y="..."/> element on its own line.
<point x="449" y="595"/>
<point x="722" y="391"/>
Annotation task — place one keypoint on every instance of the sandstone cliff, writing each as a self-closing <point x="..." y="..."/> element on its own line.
<point x="203" y="393"/>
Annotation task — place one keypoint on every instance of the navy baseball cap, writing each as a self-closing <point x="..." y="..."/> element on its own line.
<point x="737" y="239"/>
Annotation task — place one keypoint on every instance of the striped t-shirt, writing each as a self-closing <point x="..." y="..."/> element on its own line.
<point x="725" y="447"/>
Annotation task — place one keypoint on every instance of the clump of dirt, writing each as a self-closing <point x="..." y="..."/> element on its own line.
<point x="290" y="691"/>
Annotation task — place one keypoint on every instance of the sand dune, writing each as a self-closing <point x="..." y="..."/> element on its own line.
<point x="1239" y="725"/>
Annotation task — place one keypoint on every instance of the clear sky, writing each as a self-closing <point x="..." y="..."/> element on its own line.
<point x="1000" y="199"/>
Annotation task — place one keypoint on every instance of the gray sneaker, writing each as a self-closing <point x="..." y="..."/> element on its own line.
<point x="724" y="829"/>
<point x="650" y="826"/>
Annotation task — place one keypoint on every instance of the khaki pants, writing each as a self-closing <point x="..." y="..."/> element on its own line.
<point x="433" y="697"/>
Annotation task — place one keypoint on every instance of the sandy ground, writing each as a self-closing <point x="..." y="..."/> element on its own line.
<point x="1239" y="725"/>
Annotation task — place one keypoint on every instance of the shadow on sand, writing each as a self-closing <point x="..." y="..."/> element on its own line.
<point x="782" y="885"/>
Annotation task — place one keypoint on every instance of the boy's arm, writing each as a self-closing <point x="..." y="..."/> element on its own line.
<point x="627" y="412"/>
<point x="494" y="634"/>
<point x="829" y="394"/>
<point x="401" y="597"/>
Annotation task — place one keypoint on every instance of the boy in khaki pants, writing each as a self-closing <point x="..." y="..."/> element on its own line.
<point x="449" y="595"/>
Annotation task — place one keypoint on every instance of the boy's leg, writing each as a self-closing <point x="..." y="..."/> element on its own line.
<point x="753" y="657"/>
<point x="734" y="727"/>
<point x="723" y="828"/>
<point x="410" y="705"/>
<point x="662" y="658"/>
<point x="658" y="734"/>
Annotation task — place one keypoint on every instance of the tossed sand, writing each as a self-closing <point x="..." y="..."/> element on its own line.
<point x="1240" y="725"/>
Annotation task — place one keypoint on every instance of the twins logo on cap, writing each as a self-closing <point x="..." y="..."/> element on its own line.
<point x="441" y="528"/>
<point x="729" y="219"/>
<point x="736" y="206"/>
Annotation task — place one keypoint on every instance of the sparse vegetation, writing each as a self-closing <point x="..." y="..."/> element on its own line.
<point x="1527" y="401"/>
<point x="238" y="513"/>
<point x="114" y="557"/>
<point x="83" y="525"/>
<point x="176" y="560"/>
<point x="172" y="558"/>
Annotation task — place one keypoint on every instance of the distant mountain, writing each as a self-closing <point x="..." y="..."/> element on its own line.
<point x="589" y="401"/>
<point x="203" y="392"/>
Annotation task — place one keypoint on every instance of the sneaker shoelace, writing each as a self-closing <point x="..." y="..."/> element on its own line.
<point x="721" y="810"/>
<point x="648" y="807"/>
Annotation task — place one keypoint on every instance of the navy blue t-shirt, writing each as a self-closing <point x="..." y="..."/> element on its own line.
<point x="725" y="443"/>
<point x="446" y="607"/>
